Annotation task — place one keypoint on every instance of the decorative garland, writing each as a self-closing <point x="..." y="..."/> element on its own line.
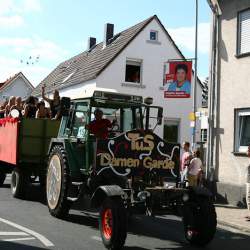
<point x="5" y="120"/>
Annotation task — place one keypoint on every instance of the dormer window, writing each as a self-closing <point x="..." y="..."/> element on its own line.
<point x="153" y="35"/>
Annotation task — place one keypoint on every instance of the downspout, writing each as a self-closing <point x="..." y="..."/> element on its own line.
<point x="212" y="103"/>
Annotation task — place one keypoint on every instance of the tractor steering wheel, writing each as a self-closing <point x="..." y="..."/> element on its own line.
<point x="115" y="126"/>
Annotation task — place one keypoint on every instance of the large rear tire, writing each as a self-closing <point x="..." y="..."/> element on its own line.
<point x="113" y="223"/>
<point x="57" y="183"/>
<point x="19" y="183"/>
<point x="200" y="222"/>
<point x="2" y="178"/>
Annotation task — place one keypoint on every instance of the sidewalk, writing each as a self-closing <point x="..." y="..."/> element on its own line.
<point x="233" y="217"/>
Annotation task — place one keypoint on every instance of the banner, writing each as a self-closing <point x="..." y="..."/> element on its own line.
<point x="137" y="152"/>
<point x="178" y="78"/>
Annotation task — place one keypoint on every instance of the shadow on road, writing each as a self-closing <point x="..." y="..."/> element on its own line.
<point x="15" y="246"/>
<point x="167" y="228"/>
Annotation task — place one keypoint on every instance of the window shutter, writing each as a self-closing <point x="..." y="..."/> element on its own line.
<point x="244" y="32"/>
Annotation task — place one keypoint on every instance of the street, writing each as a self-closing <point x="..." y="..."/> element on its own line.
<point x="28" y="225"/>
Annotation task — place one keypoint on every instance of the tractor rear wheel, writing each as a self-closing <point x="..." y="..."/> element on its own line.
<point x="2" y="178"/>
<point x="57" y="183"/>
<point x="19" y="183"/>
<point x="200" y="222"/>
<point x="113" y="223"/>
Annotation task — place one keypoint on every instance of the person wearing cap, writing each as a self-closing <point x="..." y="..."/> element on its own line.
<point x="99" y="126"/>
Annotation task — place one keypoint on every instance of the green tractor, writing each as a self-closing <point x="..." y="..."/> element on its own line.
<point x="131" y="171"/>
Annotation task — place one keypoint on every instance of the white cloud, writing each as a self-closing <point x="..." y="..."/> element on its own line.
<point x="11" y="21"/>
<point x="11" y="66"/>
<point x="185" y="37"/>
<point x="11" y="12"/>
<point x="11" y="7"/>
<point x="46" y="49"/>
<point x="18" y="53"/>
<point x="6" y="6"/>
<point x="31" y="5"/>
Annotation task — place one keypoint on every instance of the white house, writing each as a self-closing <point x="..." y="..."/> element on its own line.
<point x="143" y="48"/>
<point x="17" y="85"/>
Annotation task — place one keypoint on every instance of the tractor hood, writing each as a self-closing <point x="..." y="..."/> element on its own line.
<point x="136" y="151"/>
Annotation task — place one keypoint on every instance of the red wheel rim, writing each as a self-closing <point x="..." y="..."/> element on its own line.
<point x="107" y="223"/>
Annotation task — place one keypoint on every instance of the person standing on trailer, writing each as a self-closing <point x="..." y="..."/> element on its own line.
<point x="55" y="103"/>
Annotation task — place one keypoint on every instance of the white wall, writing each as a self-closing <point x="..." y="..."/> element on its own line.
<point x="17" y="88"/>
<point x="153" y="56"/>
<point x="79" y="90"/>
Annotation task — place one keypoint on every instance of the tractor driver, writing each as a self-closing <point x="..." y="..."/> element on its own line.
<point x="100" y="126"/>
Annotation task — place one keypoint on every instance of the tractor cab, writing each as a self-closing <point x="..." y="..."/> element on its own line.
<point x="131" y="146"/>
<point x="125" y="111"/>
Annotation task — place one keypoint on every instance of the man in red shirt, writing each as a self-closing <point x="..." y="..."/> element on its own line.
<point x="99" y="127"/>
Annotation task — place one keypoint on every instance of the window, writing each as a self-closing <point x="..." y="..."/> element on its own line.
<point x="171" y="131"/>
<point x="203" y="135"/>
<point x="153" y="35"/>
<point x="243" y="44"/>
<point x="242" y="130"/>
<point x="133" y="71"/>
<point x="80" y="121"/>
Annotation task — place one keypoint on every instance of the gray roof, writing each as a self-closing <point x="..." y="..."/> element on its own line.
<point x="89" y="64"/>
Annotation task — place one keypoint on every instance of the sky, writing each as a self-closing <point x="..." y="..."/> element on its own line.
<point x="37" y="35"/>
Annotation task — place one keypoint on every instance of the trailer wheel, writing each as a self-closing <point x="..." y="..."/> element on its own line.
<point x="113" y="223"/>
<point x="57" y="183"/>
<point x="200" y="222"/>
<point x="19" y="183"/>
<point x="2" y="178"/>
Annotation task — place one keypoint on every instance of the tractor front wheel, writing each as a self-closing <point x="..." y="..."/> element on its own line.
<point x="57" y="183"/>
<point x="199" y="222"/>
<point x="113" y="223"/>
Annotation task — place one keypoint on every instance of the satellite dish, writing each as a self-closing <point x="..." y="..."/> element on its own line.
<point x="14" y="113"/>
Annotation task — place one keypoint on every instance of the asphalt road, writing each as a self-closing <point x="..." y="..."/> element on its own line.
<point x="26" y="225"/>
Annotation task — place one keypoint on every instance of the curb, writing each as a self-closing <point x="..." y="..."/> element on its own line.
<point x="234" y="226"/>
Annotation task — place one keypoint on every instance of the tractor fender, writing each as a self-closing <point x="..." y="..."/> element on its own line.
<point x="105" y="191"/>
<point x="55" y="141"/>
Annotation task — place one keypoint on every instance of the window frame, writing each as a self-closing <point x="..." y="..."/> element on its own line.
<point x="73" y="117"/>
<point x="173" y="122"/>
<point x="141" y="70"/>
<point x="237" y="147"/>
<point x="238" y="35"/>
<point x="157" y="35"/>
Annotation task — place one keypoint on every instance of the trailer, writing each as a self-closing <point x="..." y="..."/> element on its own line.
<point x="24" y="147"/>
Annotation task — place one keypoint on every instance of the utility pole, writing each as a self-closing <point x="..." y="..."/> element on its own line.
<point x="195" y="74"/>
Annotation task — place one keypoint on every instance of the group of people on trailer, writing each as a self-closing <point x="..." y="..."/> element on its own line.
<point x="32" y="107"/>
<point x="191" y="166"/>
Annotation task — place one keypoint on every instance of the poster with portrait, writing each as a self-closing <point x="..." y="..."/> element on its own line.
<point x="177" y="79"/>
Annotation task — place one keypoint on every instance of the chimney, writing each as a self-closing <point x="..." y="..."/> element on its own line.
<point x="108" y="33"/>
<point x="91" y="42"/>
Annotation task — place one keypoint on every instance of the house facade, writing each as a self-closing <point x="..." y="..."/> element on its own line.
<point x="229" y="103"/>
<point x="130" y="62"/>
<point x="17" y="85"/>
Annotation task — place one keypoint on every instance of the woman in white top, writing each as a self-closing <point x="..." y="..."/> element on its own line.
<point x="194" y="169"/>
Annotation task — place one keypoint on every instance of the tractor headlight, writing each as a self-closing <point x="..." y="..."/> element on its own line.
<point x="142" y="196"/>
<point x="185" y="197"/>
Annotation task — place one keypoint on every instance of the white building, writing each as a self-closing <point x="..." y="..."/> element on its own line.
<point x="18" y="85"/>
<point x="144" y="47"/>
